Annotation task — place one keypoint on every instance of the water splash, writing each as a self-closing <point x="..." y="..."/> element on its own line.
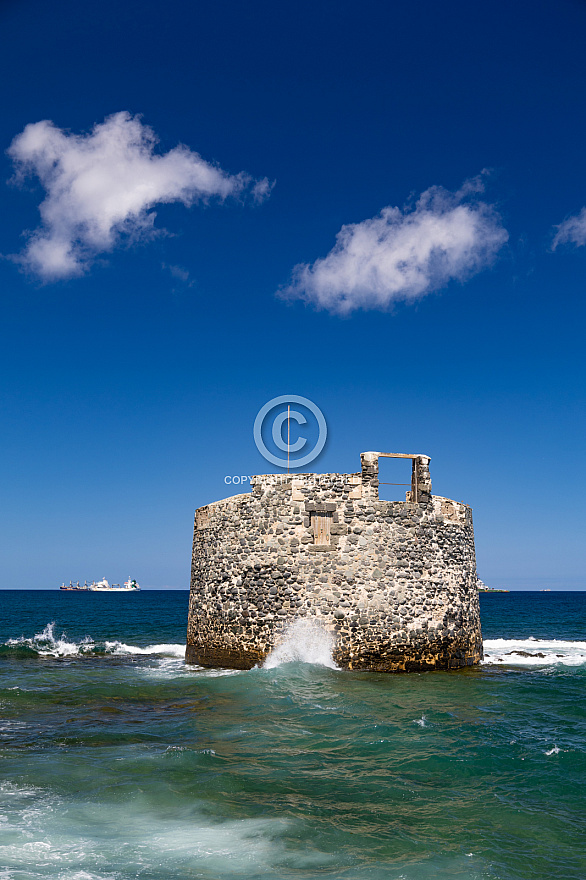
<point x="45" y="644"/>
<point x="303" y="641"/>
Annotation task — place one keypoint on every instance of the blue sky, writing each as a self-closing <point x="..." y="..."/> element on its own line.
<point x="136" y="352"/>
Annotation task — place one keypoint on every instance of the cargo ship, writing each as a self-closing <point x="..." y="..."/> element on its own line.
<point x="129" y="586"/>
<point x="482" y="588"/>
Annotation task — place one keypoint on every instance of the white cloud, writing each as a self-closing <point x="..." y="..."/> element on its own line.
<point x="572" y="231"/>
<point x="102" y="187"/>
<point x="403" y="255"/>
<point x="179" y="273"/>
<point x="262" y="189"/>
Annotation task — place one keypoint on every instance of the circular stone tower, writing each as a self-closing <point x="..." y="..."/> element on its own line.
<point x="395" y="582"/>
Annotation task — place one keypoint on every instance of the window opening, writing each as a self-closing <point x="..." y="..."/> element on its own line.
<point x="202" y="518"/>
<point x="394" y="475"/>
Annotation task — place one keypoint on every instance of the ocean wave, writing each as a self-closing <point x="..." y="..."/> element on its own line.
<point x="298" y="643"/>
<point x="47" y="644"/>
<point x="534" y="652"/>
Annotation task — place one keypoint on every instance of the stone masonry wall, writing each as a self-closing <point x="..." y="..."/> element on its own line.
<point x="394" y="581"/>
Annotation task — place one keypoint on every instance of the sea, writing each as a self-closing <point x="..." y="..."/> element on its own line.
<point x="119" y="761"/>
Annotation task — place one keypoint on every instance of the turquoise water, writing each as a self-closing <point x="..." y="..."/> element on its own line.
<point x="118" y="761"/>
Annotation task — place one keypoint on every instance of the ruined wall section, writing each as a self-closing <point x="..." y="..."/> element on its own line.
<point x="395" y="582"/>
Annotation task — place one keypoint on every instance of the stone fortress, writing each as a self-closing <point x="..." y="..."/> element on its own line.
<point x="393" y="581"/>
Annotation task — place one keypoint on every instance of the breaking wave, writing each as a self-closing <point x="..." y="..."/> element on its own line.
<point x="534" y="652"/>
<point x="47" y="644"/>
<point x="303" y="641"/>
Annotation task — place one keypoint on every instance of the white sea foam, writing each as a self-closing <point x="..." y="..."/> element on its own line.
<point x="534" y="652"/>
<point x="166" y="650"/>
<point x="554" y="751"/>
<point x="422" y="722"/>
<point x="47" y="644"/>
<point x="56" y="841"/>
<point x="303" y="641"/>
<point x="83" y="875"/>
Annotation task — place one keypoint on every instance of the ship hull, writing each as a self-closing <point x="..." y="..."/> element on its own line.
<point x="111" y="590"/>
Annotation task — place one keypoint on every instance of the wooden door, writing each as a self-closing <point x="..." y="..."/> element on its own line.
<point x="322" y="528"/>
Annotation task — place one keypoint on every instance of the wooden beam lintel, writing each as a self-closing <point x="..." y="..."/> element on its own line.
<point x="397" y="455"/>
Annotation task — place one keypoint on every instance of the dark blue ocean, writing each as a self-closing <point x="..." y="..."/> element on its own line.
<point x="118" y="761"/>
